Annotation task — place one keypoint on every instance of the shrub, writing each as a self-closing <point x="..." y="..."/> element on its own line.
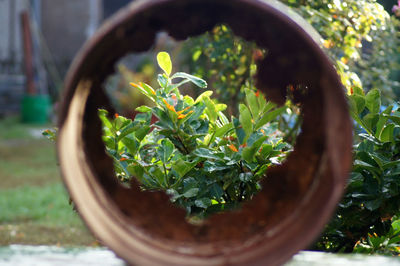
<point x="372" y="196"/>
<point x="205" y="161"/>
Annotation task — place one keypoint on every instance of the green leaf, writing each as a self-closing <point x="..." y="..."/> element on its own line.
<point x="198" y="111"/>
<point x="158" y="174"/>
<point x="223" y="130"/>
<point x="203" y="203"/>
<point x="137" y="171"/>
<point x="195" y="80"/>
<point x="203" y="95"/>
<point x="164" y="61"/>
<point x="205" y="153"/>
<point x="370" y="120"/>
<point x="216" y="191"/>
<point x="120" y="122"/>
<point x="191" y="193"/>
<point x="220" y="107"/>
<point x="373" y="101"/>
<point x="373" y="204"/>
<point x="164" y="120"/>
<point x="241" y="135"/>
<point x="358" y="91"/>
<point x="364" y="165"/>
<point x="50" y="134"/>
<point x="266" y="149"/>
<point x="387" y="133"/>
<point x="143" y="109"/>
<point x="224" y="120"/>
<point x="142" y="132"/>
<point x="131" y="143"/>
<point x="245" y="177"/>
<point x="396" y="225"/>
<point x="394" y="240"/>
<point x="249" y="153"/>
<point x="376" y="241"/>
<point x="264" y="105"/>
<point x="196" y="55"/>
<point x="211" y="109"/>
<point x="109" y="141"/>
<point x="382" y="121"/>
<point x="182" y="167"/>
<point x="130" y="128"/>
<point x="165" y="150"/>
<point x="395" y="117"/>
<point x="104" y="119"/>
<point x="269" y="116"/>
<point x="145" y="89"/>
<point x="162" y="80"/>
<point x="357" y="103"/>
<point x="252" y="102"/>
<point x="245" y="120"/>
<point x="188" y="100"/>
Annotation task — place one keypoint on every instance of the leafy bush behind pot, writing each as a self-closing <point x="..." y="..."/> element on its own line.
<point x="361" y="39"/>
<point x="372" y="197"/>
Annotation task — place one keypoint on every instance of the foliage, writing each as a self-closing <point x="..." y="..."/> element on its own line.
<point x="363" y="42"/>
<point x="205" y="161"/>
<point x="380" y="62"/>
<point x="51" y="134"/>
<point x="229" y="62"/>
<point x="372" y="197"/>
<point x="226" y="61"/>
<point x="121" y="94"/>
<point x="385" y="244"/>
<point x="360" y="38"/>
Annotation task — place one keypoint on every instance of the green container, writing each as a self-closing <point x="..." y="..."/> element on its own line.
<point x="35" y="109"/>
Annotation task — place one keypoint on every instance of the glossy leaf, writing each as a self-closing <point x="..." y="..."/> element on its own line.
<point x="252" y="102"/>
<point x="382" y="121"/>
<point x="182" y="167"/>
<point x="195" y="80"/>
<point x="164" y="61"/>
<point x="203" y="203"/>
<point x="211" y="109"/>
<point x="249" y="153"/>
<point x="165" y="150"/>
<point x="191" y="193"/>
<point x="268" y="117"/>
<point x="373" y="101"/>
<point x="387" y="133"/>
<point x="245" y="120"/>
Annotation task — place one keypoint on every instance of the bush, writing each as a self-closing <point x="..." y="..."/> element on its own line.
<point x="372" y="197"/>
<point x="205" y="161"/>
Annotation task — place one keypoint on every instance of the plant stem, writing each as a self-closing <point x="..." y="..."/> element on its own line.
<point x="181" y="141"/>
<point x="165" y="176"/>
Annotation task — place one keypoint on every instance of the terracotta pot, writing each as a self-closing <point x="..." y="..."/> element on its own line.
<point x="298" y="197"/>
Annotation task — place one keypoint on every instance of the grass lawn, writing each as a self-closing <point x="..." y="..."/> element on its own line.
<point x="34" y="206"/>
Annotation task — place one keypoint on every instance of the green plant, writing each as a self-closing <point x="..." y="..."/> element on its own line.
<point x="388" y="244"/>
<point x="227" y="61"/>
<point x="206" y="162"/>
<point x="360" y="38"/>
<point x="372" y="195"/>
